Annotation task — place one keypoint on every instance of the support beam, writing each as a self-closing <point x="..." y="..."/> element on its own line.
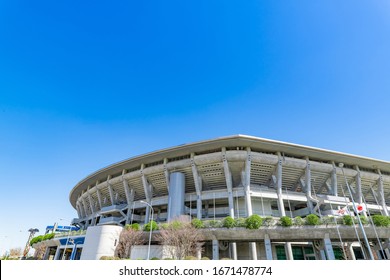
<point x="334" y="180"/>
<point x="129" y="198"/>
<point x="229" y="185"/>
<point x="215" y="249"/>
<point x="146" y="185"/>
<point x="268" y="247"/>
<point x="381" y="193"/>
<point x="308" y="185"/>
<point x="99" y="196"/>
<point x="166" y="173"/>
<point x="358" y="181"/>
<point x="110" y="190"/>
<point x="247" y="183"/>
<point x="328" y="247"/>
<point x="91" y="203"/>
<point x="198" y="187"/>
<point x="282" y="211"/>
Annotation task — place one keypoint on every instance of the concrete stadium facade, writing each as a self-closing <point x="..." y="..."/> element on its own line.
<point x="239" y="176"/>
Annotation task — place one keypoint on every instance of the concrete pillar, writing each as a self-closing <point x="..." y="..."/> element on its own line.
<point x="382" y="194"/>
<point x="215" y="249"/>
<point x="199" y="252"/>
<point x="334" y="180"/>
<point x="248" y="199"/>
<point x="198" y="187"/>
<point x="229" y="186"/>
<point x="147" y="214"/>
<point x="268" y="247"/>
<point x="289" y="253"/>
<point x="247" y="184"/>
<point x="308" y="185"/>
<point x="253" y="250"/>
<point x="351" y="252"/>
<point x="176" y="195"/>
<point x="57" y="254"/>
<point x="328" y="247"/>
<point x="99" y="196"/>
<point x="358" y="181"/>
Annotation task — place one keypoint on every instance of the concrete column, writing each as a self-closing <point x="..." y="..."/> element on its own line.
<point x="84" y="206"/>
<point x="358" y="180"/>
<point x="382" y="194"/>
<point x="129" y="198"/>
<point x="268" y="247"/>
<point x="215" y="249"/>
<point x="99" y="196"/>
<point x="334" y="180"/>
<point x="166" y="173"/>
<point x="328" y="247"/>
<point x="91" y="203"/>
<point x="176" y="195"/>
<point x="229" y="185"/>
<point x="279" y="168"/>
<point x="248" y="200"/>
<point x="147" y="214"/>
<point x="198" y="187"/>
<point x="111" y="192"/>
<point x="351" y="252"/>
<point x="57" y="255"/>
<point x="247" y="186"/>
<point x="282" y="211"/>
<point x="308" y="185"/>
<point x="46" y="255"/>
<point x="199" y="252"/>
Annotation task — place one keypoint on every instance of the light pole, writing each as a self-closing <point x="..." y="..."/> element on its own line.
<point x="150" y="222"/>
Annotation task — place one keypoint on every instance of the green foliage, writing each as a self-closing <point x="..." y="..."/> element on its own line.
<point x="168" y="259"/>
<point x="328" y="220"/>
<point x="205" y="259"/>
<point x="196" y="223"/>
<point x="176" y="224"/>
<point x="225" y="259"/>
<point x="312" y="220"/>
<point x="347" y="220"/>
<point x="380" y="220"/>
<point x="190" y="258"/>
<point x="298" y="221"/>
<point x="155" y="259"/>
<point x="212" y="224"/>
<point x="286" y="221"/>
<point x="107" y="258"/>
<point x="134" y="226"/>
<point x="228" y="222"/>
<point x="36" y="239"/>
<point x="152" y="224"/>
<point x="363" y="219"/>
<point x="268" y="221"/>
<point x="253" y="222"/>
<point x="48" y="236"/>
<point x="240" y="222"/>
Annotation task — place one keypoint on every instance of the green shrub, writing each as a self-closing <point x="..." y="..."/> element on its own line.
<point x="155" y="258"/>
<point x="268" y="221"/>
<point x="151" y="224"/>
<point x="380" y="220"/>
<point x="190" y="258"/>
<point x="48" y="236"/>
<point x="107" y="258"/>
<point x="134" y="226"/>
<point x="228" y="222"/>
<point x="286" y="221"/>
<point x="212" y="224"/>
<point x="363" y="219"/>
<point x="240" y="222"/>
<point x="328" y="220"/>
<point x="205" y="259"/>
<point x="312" y="220"/>
<point x="298" y="221"/>
<point x="176" y="224"/>
<point x="196" y="223"/>
<point x="36" y="239"/>
<point x="253" y="222"/>
<point x="168" y="259"/>
<point x="225" y="259"/>
<point x="347" y="220"/>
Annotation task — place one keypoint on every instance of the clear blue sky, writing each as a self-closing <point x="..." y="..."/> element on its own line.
<point x="84" y="84"/>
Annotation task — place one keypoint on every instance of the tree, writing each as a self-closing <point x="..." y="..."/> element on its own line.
<point x="128" y="238"/>
<point x="181" y="238"/>
<point x="15" y="252"/>
<point x="40" y="250"/>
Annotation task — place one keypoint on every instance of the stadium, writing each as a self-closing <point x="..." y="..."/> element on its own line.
<point x="237" y="176"/>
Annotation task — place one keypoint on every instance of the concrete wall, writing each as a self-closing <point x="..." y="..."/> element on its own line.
<point x="100" y="241"/>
